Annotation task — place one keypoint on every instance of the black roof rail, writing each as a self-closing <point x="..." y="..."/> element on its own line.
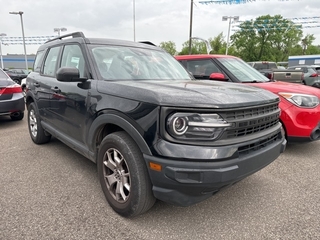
<point x="147" y="42"/>
<point x="73" y="35"/>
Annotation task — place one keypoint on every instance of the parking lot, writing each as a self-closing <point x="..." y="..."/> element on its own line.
<point x="52" y="192"/>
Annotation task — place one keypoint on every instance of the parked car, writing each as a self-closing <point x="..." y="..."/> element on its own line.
<point x="311" y="74"/>
<point x="11" y="98"/>
<point x="300" y="109"/>
<point x="272" y="71"/>
<point x="153" y="130"/>
<point x="17" y="74"/>
<point x="23" y="86"/>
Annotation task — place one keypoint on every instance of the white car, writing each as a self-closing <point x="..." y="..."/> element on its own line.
<point x="23" y="86"/>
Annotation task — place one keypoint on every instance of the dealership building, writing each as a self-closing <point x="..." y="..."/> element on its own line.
<point x="17" y="61"/>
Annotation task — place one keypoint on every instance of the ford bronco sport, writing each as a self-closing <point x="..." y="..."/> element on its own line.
<point x="152" y="129"/>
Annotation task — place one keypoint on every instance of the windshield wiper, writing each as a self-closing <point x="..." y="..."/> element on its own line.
<point x="255" y="81"/>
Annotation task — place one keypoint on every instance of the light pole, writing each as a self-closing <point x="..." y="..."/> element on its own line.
<point x="134" y="20"/>
<point x="190" y="32"/>
<point x="59" y="30"/>
<point x="226" y="18"/>
<point x="1" y="35"/>
<point x="23" y="38"/>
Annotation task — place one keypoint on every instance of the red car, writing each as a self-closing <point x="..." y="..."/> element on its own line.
<point x="300" y="108"/>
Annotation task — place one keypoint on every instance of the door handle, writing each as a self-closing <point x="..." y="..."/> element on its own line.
<point x="36" y="84"/>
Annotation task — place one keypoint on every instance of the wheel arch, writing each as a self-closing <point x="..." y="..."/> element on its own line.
<point x="29" y="98"/>
<point x="111" y="122"/>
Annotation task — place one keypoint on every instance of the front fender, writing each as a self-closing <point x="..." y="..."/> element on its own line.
<point x="119" y="121"/>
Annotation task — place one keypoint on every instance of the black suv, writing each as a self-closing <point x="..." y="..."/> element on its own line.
<point x="153" y="130"/>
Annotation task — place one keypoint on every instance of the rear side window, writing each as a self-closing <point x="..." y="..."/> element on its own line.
<point x="51" y="62"/>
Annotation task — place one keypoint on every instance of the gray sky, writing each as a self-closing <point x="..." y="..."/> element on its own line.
<point x="155" y="20"/>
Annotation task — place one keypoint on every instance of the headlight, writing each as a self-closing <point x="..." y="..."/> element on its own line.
<point x="196" y="126"/>
<point x="301" y="100"/>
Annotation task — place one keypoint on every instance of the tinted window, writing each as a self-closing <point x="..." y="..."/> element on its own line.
<point x="51" y="62"/>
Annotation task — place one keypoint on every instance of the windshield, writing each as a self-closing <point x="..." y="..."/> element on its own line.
<point x="130" y="63"/>
<point x="242" y="71"/>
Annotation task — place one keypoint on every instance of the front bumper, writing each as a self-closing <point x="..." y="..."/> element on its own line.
<point x="314" y="135"/>
<point x="185" y="182"/>
<point x="301" y="124"/>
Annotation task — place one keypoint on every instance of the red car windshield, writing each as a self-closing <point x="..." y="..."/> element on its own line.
<point x="242" y="71"/>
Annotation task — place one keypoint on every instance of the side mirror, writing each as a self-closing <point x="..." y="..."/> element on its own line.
<point x="68" y="74"/>
<point x="218" y="76"/>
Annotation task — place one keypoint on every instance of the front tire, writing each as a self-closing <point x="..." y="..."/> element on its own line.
<point x="123" y="175"/>
<point x="17" y="81"/>
<point x="37" y="133"/>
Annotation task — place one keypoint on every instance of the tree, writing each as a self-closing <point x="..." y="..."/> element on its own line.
<point x="218" y="44"/>
<point x="197" y="47"/>
<point x="306" y="42"/>
<point x="271" y="38"/>
<point x="169" y="46"/>
<point x="266" y="38"/>
<point x="313" y="50"/>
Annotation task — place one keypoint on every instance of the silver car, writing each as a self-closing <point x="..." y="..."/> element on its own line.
<point x="11" y="98"/>
<point x="311" y="74"/>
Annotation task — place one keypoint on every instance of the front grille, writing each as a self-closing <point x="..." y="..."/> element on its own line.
<point x="243" y="150"/>
<point x="249" y="129"/>
<point x="251" y="112"/>
<point x="249" y="121"/>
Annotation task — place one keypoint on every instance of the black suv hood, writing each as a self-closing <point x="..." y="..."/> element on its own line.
<point x="204" y="94"/>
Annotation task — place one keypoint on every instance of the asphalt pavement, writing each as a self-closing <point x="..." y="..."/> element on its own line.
<point x="51" y="192"/>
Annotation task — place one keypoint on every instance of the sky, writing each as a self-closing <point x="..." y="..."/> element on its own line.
<point x="154" y="20"/>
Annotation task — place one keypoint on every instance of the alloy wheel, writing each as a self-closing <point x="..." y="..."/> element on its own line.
<point x="33" y="123"/>
<point x="116" y="175"/>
